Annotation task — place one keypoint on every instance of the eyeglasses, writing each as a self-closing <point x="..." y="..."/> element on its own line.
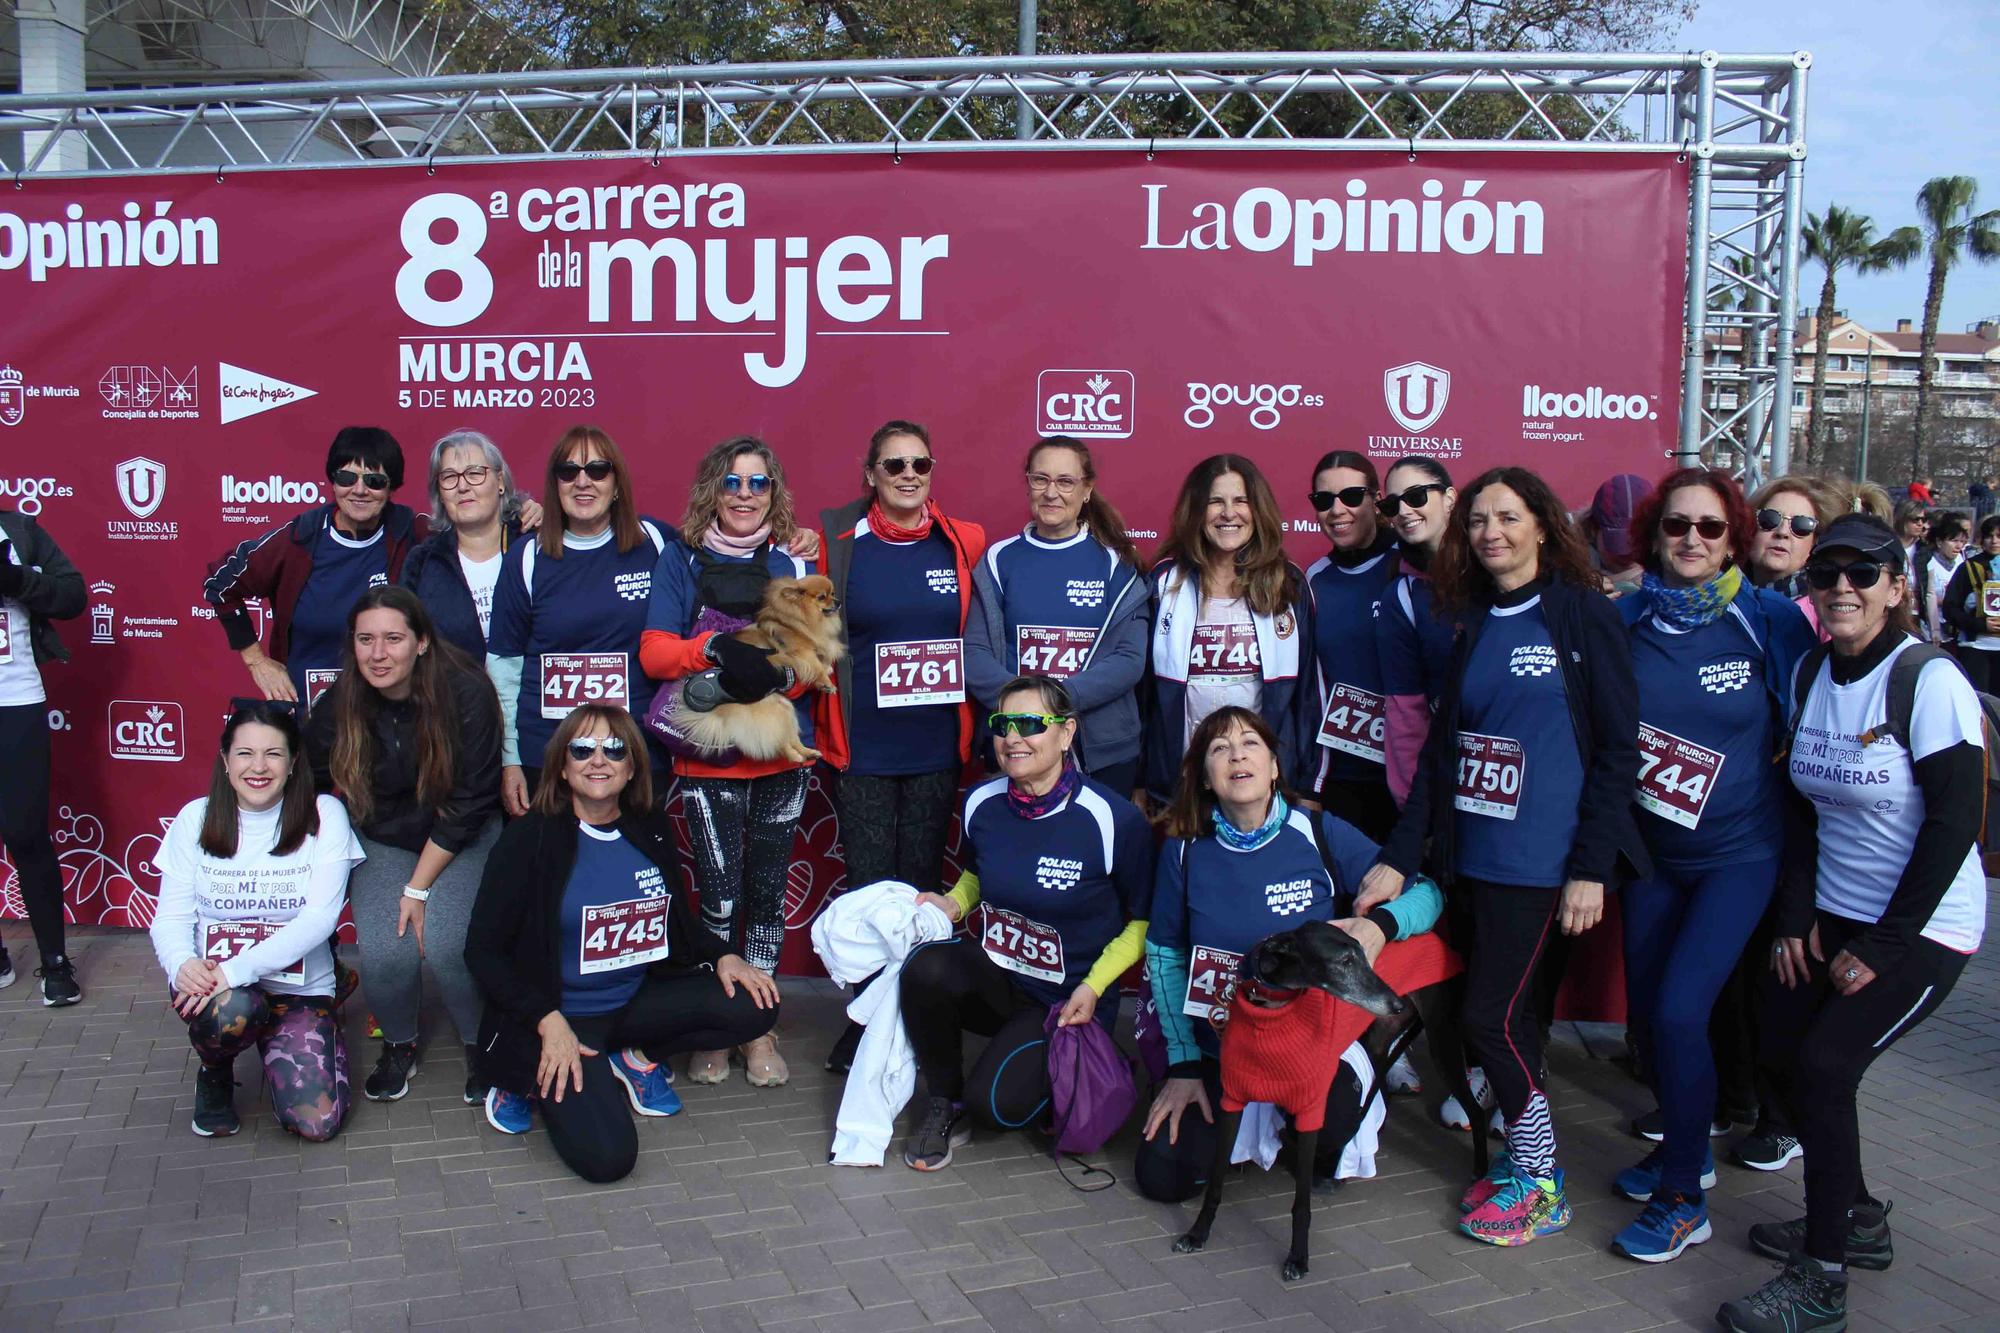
<point x="1860" y="574"/>
<point x="1711" y="529"/>
<point x="735" y="482"/>
<point x="1351" y="496"/>
<point x="246" y="704"/>
<point x="374" y="481"/>
<point x="597" y="469"/>
<point x="473" y="478"/>
<point x="1023" y="724"/>
<point x="1802" y="525"/>
<point x="583" y="747"/>
<point x="1043" y="483"/>
<point x="1416" y="498"/>
<point x="919" y="464"/>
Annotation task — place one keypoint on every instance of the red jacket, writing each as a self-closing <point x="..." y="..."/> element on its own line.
<point x="275" y="565"/>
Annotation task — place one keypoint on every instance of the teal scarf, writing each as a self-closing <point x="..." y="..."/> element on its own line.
<point x="1231" y="836"/>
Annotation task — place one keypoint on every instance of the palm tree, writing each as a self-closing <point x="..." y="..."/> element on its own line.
<point x="1951" y="231"/>
<point x="1837" y="239"/>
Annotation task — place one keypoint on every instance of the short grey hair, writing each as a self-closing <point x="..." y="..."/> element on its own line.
<point x="465" y="438"/>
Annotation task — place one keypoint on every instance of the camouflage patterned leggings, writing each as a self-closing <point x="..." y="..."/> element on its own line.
<point x="299" y="1039"/>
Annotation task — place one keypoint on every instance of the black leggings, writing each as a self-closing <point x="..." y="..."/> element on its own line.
<point x="1512" y="926"/>
<point x="592" y="1130"/>
<point x="895" y="828"/>
<point x="24" y="819"/>
<point x="1819" y="1043"/>
<point x="741" y="831"/>
<point x="1176" y="1172"/>
<point x="951" y="988"/>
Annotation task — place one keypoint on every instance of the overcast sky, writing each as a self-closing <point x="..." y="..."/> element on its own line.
<point x="1899" y="92"/>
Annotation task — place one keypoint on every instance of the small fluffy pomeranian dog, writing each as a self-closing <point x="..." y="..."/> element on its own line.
<point x="799" y="621"/>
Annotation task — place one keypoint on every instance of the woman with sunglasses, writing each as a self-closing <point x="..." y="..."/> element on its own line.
<point x="1241" y="863"/>
<point x="1348" y="773"/>
<point x="1412" y="644"/>
<point x="1971" y="606"/>
<point x="476" y="514"/>
<point x="253" y="877"/>
<point x="1788" y="511"/>
<point x="1066" y="598"/>
<point x="739" y="531"/>
<point x="1713" y="657"/>
<point x="1058" y="869"/>
<point x="571" y="606"/>
<point x="410" y="738"/>
<point x="593" y="968"/>
<point x="1232" y="622"/>
<point x="310" y="570"/>
<point x="1881" y="903"/>
<point x="900" y="726"/>
<point x="1524" y="790"/>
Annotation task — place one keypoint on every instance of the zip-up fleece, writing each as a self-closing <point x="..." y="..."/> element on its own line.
<point x="276" y="565"/>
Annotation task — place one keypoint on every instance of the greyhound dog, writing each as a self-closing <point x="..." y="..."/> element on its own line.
<point x="1321" y="956"/>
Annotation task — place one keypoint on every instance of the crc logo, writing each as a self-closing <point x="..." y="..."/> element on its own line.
<point x="1085" y="402"/>
<point x="29" y="492"/>
<point x="148" y="730"/>
<point x="1416" y="393"/>
<point x="142" y="484"/>
<point x="13" y="397"/>
<point x="1263" y="400"/>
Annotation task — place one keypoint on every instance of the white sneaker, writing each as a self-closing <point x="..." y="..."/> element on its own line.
<point x="1403" y="1076"/>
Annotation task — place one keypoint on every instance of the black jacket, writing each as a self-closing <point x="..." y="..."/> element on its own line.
<point x="398" y="819"/>
<point x="51" y="587"/>
<point x="432" y="572"/>
<point x="513" y="940"/>
<point x="1596" y="655"/>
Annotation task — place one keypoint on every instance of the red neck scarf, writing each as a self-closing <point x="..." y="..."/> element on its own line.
<point x="879" y="524"/>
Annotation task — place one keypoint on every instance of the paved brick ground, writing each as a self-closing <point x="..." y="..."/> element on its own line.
<point x="114" y="1216"/>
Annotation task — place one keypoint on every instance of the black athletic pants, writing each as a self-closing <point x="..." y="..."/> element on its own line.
<point x="895" y="827"/>
<point x="951" y="988"/>
<point x="592" y="1130"/>
<point x="24" y="820"/>
<point x="1177" y="1171"/>
<point x="1819" y="1043"/>
<point x="1512" y="928"/>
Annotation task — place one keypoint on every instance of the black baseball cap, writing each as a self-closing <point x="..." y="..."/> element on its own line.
<point x="1863" y="534"/>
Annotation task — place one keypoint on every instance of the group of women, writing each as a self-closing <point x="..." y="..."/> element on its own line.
<point x="449" y="738"/>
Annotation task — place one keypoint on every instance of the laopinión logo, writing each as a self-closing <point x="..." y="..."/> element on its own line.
<point x="1098" y="403"/>
<point x="1266" y="402"/>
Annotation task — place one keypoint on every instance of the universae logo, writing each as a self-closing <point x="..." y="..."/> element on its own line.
<point x="1097" y="403"/>
<point x="1416" y="393"/>
<point x="142" y="485"/>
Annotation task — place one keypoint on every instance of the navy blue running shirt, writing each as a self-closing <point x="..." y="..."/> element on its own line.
<point x="1350" y="729"/>
<point x="1056" y="598"/>
<point x="343" y="568"/>
<point x="613" y="922"/>
<point x="900" y="592"/>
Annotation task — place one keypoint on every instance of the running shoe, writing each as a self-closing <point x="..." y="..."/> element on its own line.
<point x="6" y="968"/>
<point x="1522" y="1210"/>
<point x="390" y="1081"/>
<point x="475" y="1083"/>
<point x="645" y="1083"/>
<point x="1868" y="1243"/>
<point x="215" y="1102"/>
<point x="841" y="1058"/>
<point x="1452" y="1115"/>
<point x="1767" y="1150"/>
<point x="1665" y="1228"/>
<point x="508" y="1112"/>
<point x="944" y="1130"/>
<point x="59" y="985"/>
<point x="1803" y="1297"/>
<point x="1638" y="1183"/>
<point x="1652" y="1127"/>
<point x="1403" y="1077"/>
<point x="1497" y="1174"/>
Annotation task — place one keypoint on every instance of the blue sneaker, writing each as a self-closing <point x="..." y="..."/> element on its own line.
<point x="647" y="1087"/>
<point x="1664" y="1229"/>
<point x="1637" y="1183"/>
<point x="509" y="1112"/>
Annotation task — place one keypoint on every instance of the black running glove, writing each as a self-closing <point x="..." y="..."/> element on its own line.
<point x="748" y="674"/>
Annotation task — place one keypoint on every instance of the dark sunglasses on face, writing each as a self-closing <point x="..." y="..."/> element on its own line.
<point x="1711" y="529"/>
<point x="1416" y="498"/>
<point x="1860" y="574"/>
<point x="597" y="469"/>
<point x="374" y="481"/>
<point x="735" y="482"/>
<point x="1351" y="496"/>
<point x="1802" y="525"/>
<point x="583" y="747"/>
<point x="919" y="464"/>
<point x="1022" y="724"/>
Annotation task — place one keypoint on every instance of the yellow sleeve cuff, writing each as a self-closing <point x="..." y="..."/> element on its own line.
<point x="1127" y="947"/>
<point x="965" y="893"/>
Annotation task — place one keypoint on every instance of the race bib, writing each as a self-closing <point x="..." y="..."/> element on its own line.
<point x="919" y="672"/>
<point x="1989" y="599"/>
<point x="1053" y="650"/>
<point x="625" y="934"/>
<point x="1224" y="650"/>
<point x="223" y="940"/>
<point x="569" y="679"/>
<point x="318" y="681"/>
<point x="7" y="636"/>
<point x="1675" y="776"/>
<point x="1353" y="722"/>
<point x="1020" y="945"/>
<point x="1211" y="981"/>
<point x="1490" y="769"/>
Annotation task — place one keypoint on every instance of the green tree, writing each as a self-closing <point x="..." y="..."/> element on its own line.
<point x="1952" y="229"/>
<point x="1839" y="239"/>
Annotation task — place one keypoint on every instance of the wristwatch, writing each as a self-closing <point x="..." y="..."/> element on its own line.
<point x="419" y="895"/>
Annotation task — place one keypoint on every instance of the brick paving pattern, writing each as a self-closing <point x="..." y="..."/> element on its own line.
<point x="114" y="1216"/>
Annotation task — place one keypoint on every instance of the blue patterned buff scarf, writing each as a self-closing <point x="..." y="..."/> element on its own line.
<point x="1232" y="836"/>
<point x="1691" y="608"/>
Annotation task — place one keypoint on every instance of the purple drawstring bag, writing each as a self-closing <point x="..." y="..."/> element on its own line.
<point x="1146" y="1033"/>
<point x="1090" y="1085"/>
<point x="662" y="718"/>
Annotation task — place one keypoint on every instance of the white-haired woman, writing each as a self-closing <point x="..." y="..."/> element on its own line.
<point x="476" y="513"/>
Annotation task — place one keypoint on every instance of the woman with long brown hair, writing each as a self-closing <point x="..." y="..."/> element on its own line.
<point x="1232" y="621"/>
<point x="409" y="736"/>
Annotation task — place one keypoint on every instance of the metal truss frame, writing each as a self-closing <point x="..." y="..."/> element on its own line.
<point x="1739" y="120"/>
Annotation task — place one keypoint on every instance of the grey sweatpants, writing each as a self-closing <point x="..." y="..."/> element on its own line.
<point x="391" y="971"/>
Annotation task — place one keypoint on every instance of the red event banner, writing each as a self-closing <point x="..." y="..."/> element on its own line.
<point x="181" y="349"/>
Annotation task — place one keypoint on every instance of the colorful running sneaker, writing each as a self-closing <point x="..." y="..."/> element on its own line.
<point x="1522" y="1210"/>
<point x="1669" y="1224"/>
<point x="645" y="1084"/>
<point x="509" y="1112"/>
<point x="1499" y="1173"/>
<point x="1639" y="1182"/>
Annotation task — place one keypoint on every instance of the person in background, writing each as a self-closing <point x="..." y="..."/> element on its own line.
<point x="1920" y="491"/>
<point x="1788" y="510"/>
<point x="253" y="877"/>
<point x="1607" y="527"/>
<point x="309" y="570"/>
<point x="1913" y="530"/>
<point x="1971" y="606"/>
<point x="1865" y="497"/>
<point x="1413" y="644"/>
<point x="1980" y="496"/>
<point x="1947" y="548"/>
<point x="476" y="514"/>
<point x="38" y="585"/>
